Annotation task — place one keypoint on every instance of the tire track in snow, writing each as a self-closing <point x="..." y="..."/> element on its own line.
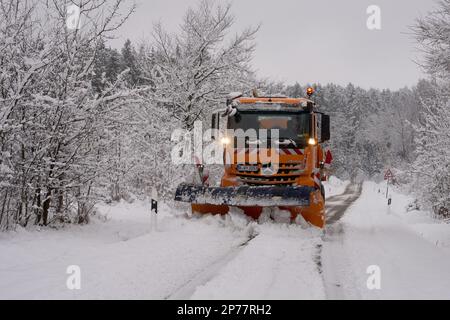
<point x="187" y="289"/>
<point x="331" y="252"/>
<point x="278" y="264"/>
<point x="337" y="205"/>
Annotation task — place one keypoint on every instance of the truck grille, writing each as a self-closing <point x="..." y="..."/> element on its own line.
<point x="285" y="175"/>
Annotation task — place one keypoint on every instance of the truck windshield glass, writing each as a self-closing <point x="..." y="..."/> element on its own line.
<point x="293" y="127"/>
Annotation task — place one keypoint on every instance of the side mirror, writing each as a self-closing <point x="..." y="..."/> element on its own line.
<point x="325" y="128"/>
<point x="215" y="120"/>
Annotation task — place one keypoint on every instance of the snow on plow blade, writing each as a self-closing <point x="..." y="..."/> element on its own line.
<point x="262" y="196"/>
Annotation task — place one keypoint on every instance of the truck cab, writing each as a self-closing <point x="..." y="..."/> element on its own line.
<point x="273" y="158"/>
<point x="249" y="151"/>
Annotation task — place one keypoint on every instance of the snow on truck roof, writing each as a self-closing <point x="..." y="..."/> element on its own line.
<point x="271" y="103"/>
<point x="279" y="100"/>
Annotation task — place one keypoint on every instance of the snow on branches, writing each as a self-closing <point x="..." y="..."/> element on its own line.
<point x="51" y="119"/>
<point x="194" y="69"/>
<point x="432" y="167"/>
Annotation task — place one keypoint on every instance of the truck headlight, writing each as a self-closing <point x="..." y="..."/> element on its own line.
<point x="225" y="140"/>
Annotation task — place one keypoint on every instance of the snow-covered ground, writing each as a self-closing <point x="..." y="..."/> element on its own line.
<point x="120" y="258"/>
<point x="280" y="263"/>
<point x="410" y="249"/>
<point x="123" y="258"/>
<point x="232" y="257"/>
<point x="334" y="186"/>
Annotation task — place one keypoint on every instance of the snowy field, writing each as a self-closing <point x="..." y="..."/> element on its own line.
<point x="411" y="250"/>
<point x="231" y="257"/>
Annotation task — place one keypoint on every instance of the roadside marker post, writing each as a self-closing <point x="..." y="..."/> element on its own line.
<point x="388" y="176"/>
<point x="387" y="188"/>
<point x="154" y="209"/>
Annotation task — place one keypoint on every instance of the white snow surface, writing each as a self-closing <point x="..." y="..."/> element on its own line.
<point x="120" y="258"/>
<point x="280" y="263"/>
<point x="334" y="186"/>
<point x="410" y="248"/>
<point x="232" y="257"/>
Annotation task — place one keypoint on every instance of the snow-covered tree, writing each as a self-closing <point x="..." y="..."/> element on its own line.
<point x="195" y="68"/>
<point x="433" y="34"/>
<point x="51" y="117"/>
<point x="129" y="61"/>
<point x="371" y="129"/>
<point x="432" y="167"/>
<point x="187" y="74"/>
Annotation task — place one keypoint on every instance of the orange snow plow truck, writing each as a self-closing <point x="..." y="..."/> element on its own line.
<point x="279" y="165"/>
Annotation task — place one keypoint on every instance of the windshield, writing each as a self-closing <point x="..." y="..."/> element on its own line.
<point x="293" y="127"/>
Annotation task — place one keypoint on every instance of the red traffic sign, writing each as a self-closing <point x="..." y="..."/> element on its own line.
<point x="388" y="174"/>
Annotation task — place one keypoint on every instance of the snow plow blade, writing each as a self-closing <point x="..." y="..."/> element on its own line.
<point x="260" y="196"/>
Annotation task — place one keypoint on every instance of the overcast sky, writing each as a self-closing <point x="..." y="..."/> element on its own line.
<point x="312" y="41"/>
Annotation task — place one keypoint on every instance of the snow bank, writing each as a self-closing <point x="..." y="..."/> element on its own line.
<point x="433" y="230"/>
<point x="373" y="234"/>
<point x="334" y="186"/>
<point x="119" y="258"/>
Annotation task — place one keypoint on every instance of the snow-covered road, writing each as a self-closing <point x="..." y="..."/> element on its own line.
<point x="372" y="234"/>
<point x="232" y="258"/>
<point x="280" y="263"/>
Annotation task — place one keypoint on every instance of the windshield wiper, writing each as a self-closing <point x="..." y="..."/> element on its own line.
<point x="257" y="142"/>
<point x="287" y="141"/>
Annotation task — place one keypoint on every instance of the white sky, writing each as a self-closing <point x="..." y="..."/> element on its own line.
<point x="312" y="41"/>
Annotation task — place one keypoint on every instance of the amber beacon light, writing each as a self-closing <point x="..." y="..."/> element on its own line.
<point x="309" y="91"/>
